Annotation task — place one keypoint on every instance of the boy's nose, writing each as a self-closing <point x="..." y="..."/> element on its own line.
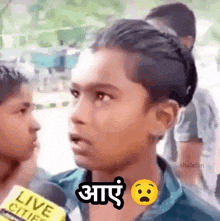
<point x="81" y="113"/>
<point x="36" y="126"/>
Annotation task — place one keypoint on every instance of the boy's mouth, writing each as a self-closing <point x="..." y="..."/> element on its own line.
<point x="36" y="145"/>
<point x="35" y="142"/>
<point x="80" y="145"/>
<point x="76" y="138"/>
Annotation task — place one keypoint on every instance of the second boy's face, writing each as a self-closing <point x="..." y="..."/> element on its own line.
<point x="109" y="123"/>
<point x="18" y="128"/>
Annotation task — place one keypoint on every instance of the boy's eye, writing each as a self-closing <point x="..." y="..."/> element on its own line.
<point x="23" y="110"/>
<point x="75" y="93"/>
<point x="103" y="97"/>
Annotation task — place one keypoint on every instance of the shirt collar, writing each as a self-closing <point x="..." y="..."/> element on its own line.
<point x="169" y="191"/>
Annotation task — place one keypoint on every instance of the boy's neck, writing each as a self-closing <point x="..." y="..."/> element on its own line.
<point x="145" y="168"/>
<point x="6" y="168"/>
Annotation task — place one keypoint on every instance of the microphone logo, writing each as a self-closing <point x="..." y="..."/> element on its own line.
<point x="25" y="205"/>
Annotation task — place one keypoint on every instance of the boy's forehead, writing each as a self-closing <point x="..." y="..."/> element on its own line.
<point x="22" y="94"/>
<point x="86" y="59"/>
<point x="98" y="66"/>
<point x="104" y="65"/>
<point x="86" y="55"/>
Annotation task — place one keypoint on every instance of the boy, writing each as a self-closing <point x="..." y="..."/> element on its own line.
<point x="18" y="131"/>
<point x="191" y="145"/>
<point x="127" y="93"/>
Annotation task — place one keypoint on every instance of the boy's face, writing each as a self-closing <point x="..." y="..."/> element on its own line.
<point x="110" y="118"/>
<point x="18" y="129"/>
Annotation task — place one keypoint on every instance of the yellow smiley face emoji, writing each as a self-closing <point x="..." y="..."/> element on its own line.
<point x="144" y="192"/>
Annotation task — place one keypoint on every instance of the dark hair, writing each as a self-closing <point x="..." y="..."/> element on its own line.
<point x="10" y="82"/>
<point x="177" y="16"/>
<point x="165" y="69"/>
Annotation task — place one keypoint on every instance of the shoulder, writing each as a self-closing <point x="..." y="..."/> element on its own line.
<point x="203" y="97"/>
<point x="68" y="178"/>
<point x="69" y="182"/>
<point x="207" y="114"/>
<point x="201" y="93"/>
<point x="190" y="108"/>
<point x="191" y="207"/>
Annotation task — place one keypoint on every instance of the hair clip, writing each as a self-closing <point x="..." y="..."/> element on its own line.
<point x="188" y="89"/>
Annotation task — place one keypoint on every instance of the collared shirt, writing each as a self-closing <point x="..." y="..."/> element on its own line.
<point x="200" y="121"/>
<point x="174" y="202"/>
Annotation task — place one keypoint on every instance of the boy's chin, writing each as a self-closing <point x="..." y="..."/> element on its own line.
<point x="82" y="164"/>
<point x="87" y="164"/>
<point x="94" y="166"/>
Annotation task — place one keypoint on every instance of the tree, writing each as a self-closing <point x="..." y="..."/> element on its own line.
<point x="79" y="16"/>
<point x="1" y="21"/>
<point x="45" y="22"/>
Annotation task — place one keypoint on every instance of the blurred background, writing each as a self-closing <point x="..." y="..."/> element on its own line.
<point x="45" y="38"/>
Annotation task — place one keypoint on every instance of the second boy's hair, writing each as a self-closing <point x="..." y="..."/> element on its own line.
<point x="10" y="82"/>
<point x="177" y="16"/>
<point x="165" y="69"/>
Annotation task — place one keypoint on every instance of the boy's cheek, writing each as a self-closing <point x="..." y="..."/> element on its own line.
<point x="118" y="121"/>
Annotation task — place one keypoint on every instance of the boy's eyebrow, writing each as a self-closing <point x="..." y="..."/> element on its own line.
<point x="26" y="104"/>
<point x="92" y="86"/>
<point x="18" y="104"/>
<point x="137" y="185"/>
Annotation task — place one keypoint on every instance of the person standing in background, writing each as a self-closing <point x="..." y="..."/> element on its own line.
<point x="190" y="146"/>
<point x="18" y="131"/>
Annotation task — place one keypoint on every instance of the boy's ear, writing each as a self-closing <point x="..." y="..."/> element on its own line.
<point x="187" y="41"/>
<point x="162" y="117"/>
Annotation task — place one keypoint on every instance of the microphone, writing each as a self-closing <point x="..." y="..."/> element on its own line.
<point x="43" y="202"/>
<point x="55" y="194"/>
<point x="50" y="191"/>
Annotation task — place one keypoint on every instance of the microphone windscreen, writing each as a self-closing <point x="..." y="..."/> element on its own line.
<point x="49" y="191"/>
<point x="27" y="205"/>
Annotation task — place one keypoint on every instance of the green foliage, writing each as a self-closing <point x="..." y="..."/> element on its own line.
<point x="58" y="14"/>
<point x="35" y="8"/>
<point x="75" y="35"/>
<point x="95" y="14"/>
<point x="80" y="13"/>
<point x="46" y="39"/>
<point x="51" y="14"/>
<point x="212" y="35"/>
<point x="93" y="5"/>
<point x="42" y="2"/>
<point x="66" y="18"/>
<point x="22" y="40"/>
